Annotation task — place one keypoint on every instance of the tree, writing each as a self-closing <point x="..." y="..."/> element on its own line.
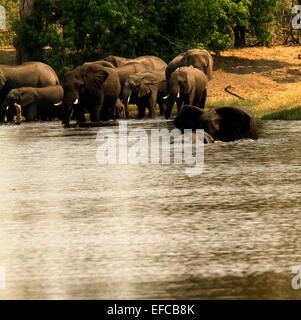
<point x="12" y="12"/>
<point x="69" y="32"/>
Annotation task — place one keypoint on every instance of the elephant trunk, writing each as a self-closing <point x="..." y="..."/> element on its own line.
<point x="173" y="94"/>
<point x="18" y="113"/>
<point x="126" y="97"/>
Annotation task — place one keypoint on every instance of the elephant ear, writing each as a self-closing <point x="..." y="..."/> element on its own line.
<point x="94" y="82"/>
<point x="235" y="122"/>
<point x="189" y="82"/>
<point x="145" y="88"/>
<point x="26" y="98"/>
<point x="64" y="71"/>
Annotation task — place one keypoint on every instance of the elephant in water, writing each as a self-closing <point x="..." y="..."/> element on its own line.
<point x="186" y="85"/>
<point x="90" y="87"/>
<point x="145" y="89"/>
<point x="29" y="74"/>
<point x="36" y="103"/>
<point x="225" y="124"/>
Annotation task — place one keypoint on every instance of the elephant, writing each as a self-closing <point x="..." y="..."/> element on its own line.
<point x="140" y="64"/>
<point x="200" y="59"/>
<point x="91" y="87"/>
<point x="226" y="124"/>
<point x="103" y="63"/>
<point x="144" y="89"/>
<point x="116" y="61"/>
<point x="119" y="108"/>
<point x="29" y="74"/>
<point x="186" y="85"/>
<point x="36" y="103"/>
<point x="149" y="62"/>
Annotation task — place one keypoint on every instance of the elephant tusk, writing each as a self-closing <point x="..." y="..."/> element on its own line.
<point x="178" y="95"/>
<point x="129" y="98"/>
<point x="19" y="112"/>
<point x="7" y="108"/>
<point x="76" y="101"/>
<point x="58" y="104"/>
<point x="166" y="97"/>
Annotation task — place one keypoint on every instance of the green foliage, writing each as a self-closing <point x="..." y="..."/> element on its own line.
<point x="12" y="12"/>
<point x="80" y="30"/>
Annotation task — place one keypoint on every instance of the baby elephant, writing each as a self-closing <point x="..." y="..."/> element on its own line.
<point x="225" y="124"/>
<point x="35" y="103"/>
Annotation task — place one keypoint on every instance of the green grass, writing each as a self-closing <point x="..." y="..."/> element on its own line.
<point x="285" y="105"/>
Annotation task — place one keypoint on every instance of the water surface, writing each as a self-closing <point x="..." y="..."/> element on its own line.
<point x="74" y="229"/>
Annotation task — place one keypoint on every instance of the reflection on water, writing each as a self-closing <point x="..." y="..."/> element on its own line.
<point x="72" y="228"/>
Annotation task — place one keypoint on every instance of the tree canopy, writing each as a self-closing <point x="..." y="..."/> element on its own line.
<point x="68" y="31"/>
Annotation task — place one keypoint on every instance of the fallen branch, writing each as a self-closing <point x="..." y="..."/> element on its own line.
<point x="227" y="89"/>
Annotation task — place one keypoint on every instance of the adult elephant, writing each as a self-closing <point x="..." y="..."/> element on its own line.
<point x="102" y="63"/>
<point x="91" y="87"/>
<point x="36" y="103"/>
<point x="144" y="89"/>
<point x="140" y="64"/>
<point x="186" y="85"/>
<point x="200" y="59"/>
<point x="116" y="61"/>
<point x="29" y="74"/>
<point x="151" y="63"/>
<point x="225" y="124"/>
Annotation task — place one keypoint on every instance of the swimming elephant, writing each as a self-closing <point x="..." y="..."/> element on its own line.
<point x="186" y="85"/>
<point x="93" y="88"/>
<point x="144" y="89"/>
<point x="36" y="103"/>
<point x="29" y="74"/>
<point x="225" y="124"/>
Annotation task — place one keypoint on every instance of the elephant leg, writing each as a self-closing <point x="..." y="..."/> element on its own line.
<point x="180" y="104"/>
<point x="169" y="107"/>
<point x="141" y="111"/>
<point x="79" y="114"/>
<point x="31" y="112"/>
<point x="152" y="102"/>
<point x="162" y="107"/>
<point x="94" y="114"/>
<point x="203" y="100"/>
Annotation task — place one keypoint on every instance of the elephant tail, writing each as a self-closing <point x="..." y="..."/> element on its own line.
<point x="227" y="89"/>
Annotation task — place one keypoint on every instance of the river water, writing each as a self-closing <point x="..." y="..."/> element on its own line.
<point x="72" y="228"/>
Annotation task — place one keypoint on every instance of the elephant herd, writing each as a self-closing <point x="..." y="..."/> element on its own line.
<point x="105" y="88"/>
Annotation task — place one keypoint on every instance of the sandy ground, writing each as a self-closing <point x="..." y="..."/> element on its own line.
<point x="257" y="72"/>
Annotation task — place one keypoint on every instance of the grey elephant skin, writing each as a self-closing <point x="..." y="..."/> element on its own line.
<point x="93" y="88"/>
<point x="224" y="124"/>
<point x="186" y="85"/>
<point x="37" y="103"/>
<point x="200" y="59"/>
<point x="145" y="89"/>
<point x="151" y="63"/>
<point x="140" y="64"/>
<point x="29" y="74"/>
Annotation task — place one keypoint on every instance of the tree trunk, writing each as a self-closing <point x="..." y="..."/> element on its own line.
<point x="239" y="36"/>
